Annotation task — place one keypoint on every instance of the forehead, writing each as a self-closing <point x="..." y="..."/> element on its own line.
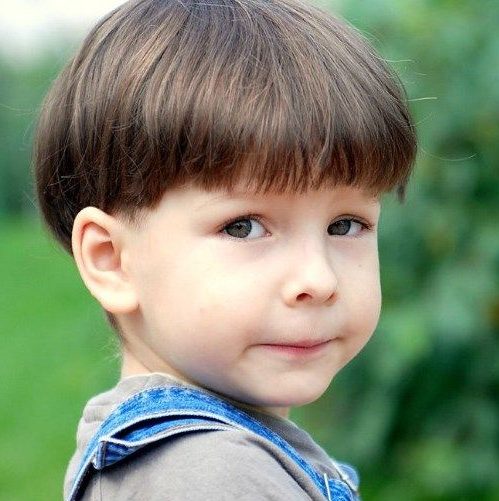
<point x="197" y="199"/>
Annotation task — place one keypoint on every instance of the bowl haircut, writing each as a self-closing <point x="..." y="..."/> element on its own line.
<point x="277" y="94"/>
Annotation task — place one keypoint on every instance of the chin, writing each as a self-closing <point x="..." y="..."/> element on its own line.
<point x="299" y="400"/>
<point x="296" y="397"/>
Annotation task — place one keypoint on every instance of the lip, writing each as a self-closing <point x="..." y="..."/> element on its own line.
<point x="300" y="348"/>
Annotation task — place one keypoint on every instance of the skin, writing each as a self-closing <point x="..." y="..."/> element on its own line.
<point x="267" y="320"/>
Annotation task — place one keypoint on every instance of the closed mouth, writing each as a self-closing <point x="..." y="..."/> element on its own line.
<point x="307" y="343"/>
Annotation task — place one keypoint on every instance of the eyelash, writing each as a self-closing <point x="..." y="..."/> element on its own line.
<point x="365" y="225"/>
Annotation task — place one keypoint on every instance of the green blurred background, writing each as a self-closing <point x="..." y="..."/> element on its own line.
<point x="418" y="410"/>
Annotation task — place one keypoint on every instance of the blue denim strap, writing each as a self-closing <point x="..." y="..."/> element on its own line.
<point x="157" y="413"/>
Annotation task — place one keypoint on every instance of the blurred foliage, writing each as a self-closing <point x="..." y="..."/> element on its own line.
<point x="418" y="410"/>
<point x="21" y="89"/>
<point x="55" y="356"/>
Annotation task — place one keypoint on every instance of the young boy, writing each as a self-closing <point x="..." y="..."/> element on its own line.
<point x="216" y="168"/>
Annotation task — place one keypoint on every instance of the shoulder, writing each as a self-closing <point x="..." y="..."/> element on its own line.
<point x="215" y="465"/>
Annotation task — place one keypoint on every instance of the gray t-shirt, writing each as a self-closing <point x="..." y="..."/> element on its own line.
<point x="219" y="465"/>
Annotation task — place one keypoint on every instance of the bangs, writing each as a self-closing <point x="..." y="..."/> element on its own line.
<point x="281" y="99"/>
<point x="318" y="141"/>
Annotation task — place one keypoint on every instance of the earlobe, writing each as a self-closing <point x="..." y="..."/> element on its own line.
<point x="98" y="246"/>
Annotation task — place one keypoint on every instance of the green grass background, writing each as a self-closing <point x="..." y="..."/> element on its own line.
<point x="57" y="352"/>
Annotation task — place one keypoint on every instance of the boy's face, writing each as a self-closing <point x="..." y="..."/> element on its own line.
<point x="265" y="310"/>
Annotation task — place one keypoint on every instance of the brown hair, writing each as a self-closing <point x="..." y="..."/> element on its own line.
<point x="168" y="92"/>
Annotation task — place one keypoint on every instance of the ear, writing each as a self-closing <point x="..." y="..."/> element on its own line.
<point x="98" y="249"/>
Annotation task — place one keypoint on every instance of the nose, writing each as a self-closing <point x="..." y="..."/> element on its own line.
<point x="312" y="279"/>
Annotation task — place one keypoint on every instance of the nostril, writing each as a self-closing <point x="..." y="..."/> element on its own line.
<point x="302" y="296"/>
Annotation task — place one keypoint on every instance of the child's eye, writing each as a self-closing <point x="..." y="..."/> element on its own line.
<point x="244" y="228"/>
<point x="249" y="227"/>
<point x="343" y="226"/>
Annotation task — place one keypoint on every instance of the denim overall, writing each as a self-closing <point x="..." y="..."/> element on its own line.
<point x="158" y="413"/>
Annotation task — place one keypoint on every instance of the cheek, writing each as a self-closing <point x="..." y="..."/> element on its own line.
<point x="228" y="303"/>
<point x="206" y="296"/>
<point x="365" y="305"/>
